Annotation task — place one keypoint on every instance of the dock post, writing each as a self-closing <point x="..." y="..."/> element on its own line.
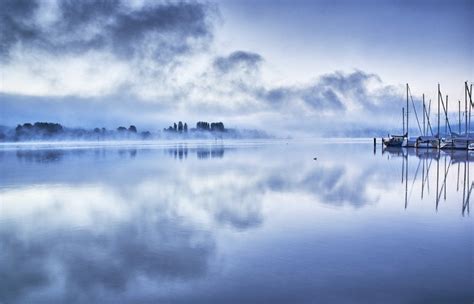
<point x="375" y="145"/>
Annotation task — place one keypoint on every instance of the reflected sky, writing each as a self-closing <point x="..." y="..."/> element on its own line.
<point x="241" y="223"/>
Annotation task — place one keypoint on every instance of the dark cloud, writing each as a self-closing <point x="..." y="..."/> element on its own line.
<point x="14" y="25"/>
<point x="355" y="86"/>
<point x="332" y="91"/>
<point x="331" y="86"/>
<point x="160" y="30"/>
<point x="349" y="83"/>
<point x="246" y="61"/>
<point x="322" y="98"/>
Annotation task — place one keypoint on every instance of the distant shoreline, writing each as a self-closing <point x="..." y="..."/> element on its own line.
<point x="55" y="132"/>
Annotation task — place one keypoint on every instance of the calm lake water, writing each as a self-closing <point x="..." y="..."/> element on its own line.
<point x="235" y="222"/>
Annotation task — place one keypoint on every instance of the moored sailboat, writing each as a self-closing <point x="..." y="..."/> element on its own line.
<point x="394" y="140"/>
<point x="428" y="142"/>
<point x="463" y="141"/>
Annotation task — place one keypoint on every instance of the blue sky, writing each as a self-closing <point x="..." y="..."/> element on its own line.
<point x="288" y="66"/>
<point x="420" y="42"/>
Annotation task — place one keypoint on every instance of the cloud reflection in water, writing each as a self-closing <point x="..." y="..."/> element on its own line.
<point x="131" y="224"/>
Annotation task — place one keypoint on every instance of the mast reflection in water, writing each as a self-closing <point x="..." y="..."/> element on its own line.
<point x="443" y="162"/>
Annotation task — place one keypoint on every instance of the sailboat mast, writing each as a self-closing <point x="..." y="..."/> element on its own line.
<point x="424" y="128"/>
<point x="470" y="106"/>
<point x="465" y="107"/>
<point x="403" y="119"/>
<point x="407" y="111"/>
<point x="438" y="109"/>
<point x="446" y="117"/>
<point x="459" y="117"/>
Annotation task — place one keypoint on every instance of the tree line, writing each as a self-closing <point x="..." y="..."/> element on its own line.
<point x="49" y="130"/>
<point x="55" y="131"/>
<point x="200" y="126"/>
<point x="180" y="127"/>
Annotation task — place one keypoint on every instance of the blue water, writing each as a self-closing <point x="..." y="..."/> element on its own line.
<point x="233" y="222"/>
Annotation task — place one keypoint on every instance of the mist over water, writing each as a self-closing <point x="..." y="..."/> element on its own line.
<point x="235" y="222"/>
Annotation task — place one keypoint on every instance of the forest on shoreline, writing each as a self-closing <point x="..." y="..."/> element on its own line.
<point x="41" y="131"/>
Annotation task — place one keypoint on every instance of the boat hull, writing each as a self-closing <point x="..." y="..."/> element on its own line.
<point x="457" y="143"/>
<point x="391" y="142"/>
<point x="430" y="143"/>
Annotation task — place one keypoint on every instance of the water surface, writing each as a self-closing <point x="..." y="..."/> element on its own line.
<point x="233" y="222"/>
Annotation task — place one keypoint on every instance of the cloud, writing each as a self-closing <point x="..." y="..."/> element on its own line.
<point x="160" y="30"/>
<point x="233" y="86"/>
<point x="234" y="82"/>
<point x="90" y="48"/>
<point x="14" y="27"/>
<point x="340" y="102"/>
<point x="142" y="62"/>
<point x="337" y="91"/>
<point x="247" y="61"/>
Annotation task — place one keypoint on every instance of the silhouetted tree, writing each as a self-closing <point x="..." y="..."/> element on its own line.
<point x="96" y="130"/>
<point x="217" y="126"/>
<point x="180" y="126"/>
<point x="202" y="125"/>
<point x="132" y="129"/>
<point x="145" y="134"/>
<point x="185" y="127"/>
<point x="46" y="127"/>
<point x="40" y="129"/>
<point x="121" y="129"/>
<point x="175" y="127"/>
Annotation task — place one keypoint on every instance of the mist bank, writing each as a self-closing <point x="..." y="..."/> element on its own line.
<point x="49" y="131"/>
